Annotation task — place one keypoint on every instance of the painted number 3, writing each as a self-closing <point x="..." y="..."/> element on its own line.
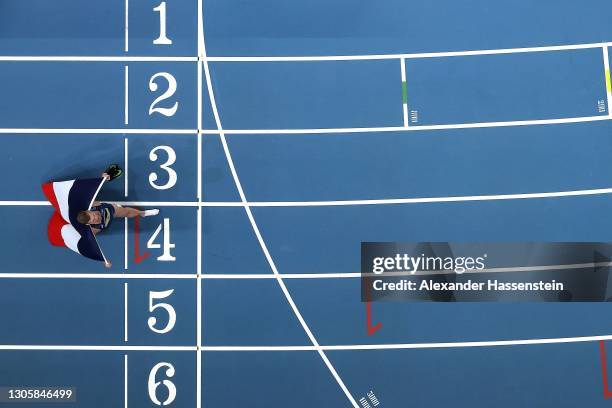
<point x="171" y="174"/>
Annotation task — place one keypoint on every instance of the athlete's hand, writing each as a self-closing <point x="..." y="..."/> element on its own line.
<point x="108" y="264"/>
<point x="105" y="176"/>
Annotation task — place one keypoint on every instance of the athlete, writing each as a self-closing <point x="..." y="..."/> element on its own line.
<point x="101" y="215"/>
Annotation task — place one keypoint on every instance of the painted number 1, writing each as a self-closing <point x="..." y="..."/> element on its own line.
<point x="163" y="38"/>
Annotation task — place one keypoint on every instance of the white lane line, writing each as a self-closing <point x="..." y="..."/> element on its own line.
<point x="262" y="243"/>
<point x="96" y="276"/>
<point x="54" y="131"/>
<point x="535" y="268"/>
<point x="133" y="203"/>
<point x="76" y="58"/>
<point x="404" y="91"/>
<point x="159" y="203"/>
<point x="94" y="348"/>
<point x="420" y="200"/>
<point x="125" y="381"/>
<point x="606" y="61"/>
<point x="407" y="346"/>
<point x="125" y="312"/>
<point x="107" y="58"/>
<point x="409" y="55"/>
<point x="349" y="347"/>
<point x="125" y="166"/>
<point x="127" y="26"/>
<point x="341" y="275"/>
<point x="199" y="152"/>
<point x="125" y="244"/>
<point x="478" y="125"/>
<point x="199" y="315"/>
<point x="385" y="201"/>
<point x="126" y="95"/>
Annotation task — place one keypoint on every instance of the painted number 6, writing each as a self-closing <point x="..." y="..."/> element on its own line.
<point x="153" y="385"/>
<point x="172" y="176"/>
<point x="154" y="86"/>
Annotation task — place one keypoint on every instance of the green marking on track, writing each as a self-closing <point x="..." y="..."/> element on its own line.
<point x="404" y="92"/>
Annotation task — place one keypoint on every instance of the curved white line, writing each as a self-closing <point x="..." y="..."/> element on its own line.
<point x="384" y="201"/>
<point x="413" y="128"/>
<point x="408" y="346"/>
<point x="260" y="239"/>
<point x="418" y="200"/>
<point x="410" y="55"/>
<point x="348" y="347"/>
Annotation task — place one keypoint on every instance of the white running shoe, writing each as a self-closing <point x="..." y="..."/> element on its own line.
<point x="149" y="213"/>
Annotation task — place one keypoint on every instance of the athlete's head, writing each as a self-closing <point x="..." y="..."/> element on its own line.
<point x="88" y="217"/>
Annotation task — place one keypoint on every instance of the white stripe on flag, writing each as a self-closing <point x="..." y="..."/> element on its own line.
<point x="71" y="237"/>
<point x="61" y="190"/>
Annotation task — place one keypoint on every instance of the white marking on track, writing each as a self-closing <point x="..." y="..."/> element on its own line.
<point x="71" y="131"/>
<point x="260" y="239"/>
<point x="107" y="58"/>
<point x="125" y="381"/>
<point x="606" y="61"/>
<point x="127" y="26"/>
<point x="478" y="125"/>
<point x="126" y="95"/>
<point x="199" y="314"/>
<point x="404" y="85"/>
<point x="406" y="346"/>
<point x="384" y="201"/>
<point x="419" y="128"/>
<point x="410" y="55"/>
<point x="347" y="347"/>
<point x="126" y="166"/>
<point x="125" y="312"/>
<point x="125" y="244"/>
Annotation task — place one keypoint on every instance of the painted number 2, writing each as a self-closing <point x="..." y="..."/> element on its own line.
<point x="163" y="38"/>
<point x="172" y="176"/>
<point x="171" y="89"/>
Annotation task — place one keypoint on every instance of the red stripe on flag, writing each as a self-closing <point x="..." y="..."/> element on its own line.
<point x="50" y="194"/>
<point x="54" y="230"/>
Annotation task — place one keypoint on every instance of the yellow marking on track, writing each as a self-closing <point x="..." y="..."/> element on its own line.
<point x="608" y="81"/>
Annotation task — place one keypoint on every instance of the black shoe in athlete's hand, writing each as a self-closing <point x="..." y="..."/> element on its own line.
<point x="113" y="171"/>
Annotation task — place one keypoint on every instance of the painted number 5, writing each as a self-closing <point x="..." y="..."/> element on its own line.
<point x="171" y="89"/>
<point x="172" y="176"/>
<point x="153" y="296"/>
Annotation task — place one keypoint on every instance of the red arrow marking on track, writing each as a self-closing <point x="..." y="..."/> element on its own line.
<point x="371" y="329"/>
<point x="604" y="369"/>
<point x="137" y="257"/>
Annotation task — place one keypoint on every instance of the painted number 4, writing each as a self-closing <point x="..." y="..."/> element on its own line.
<point x="166" y="246"/>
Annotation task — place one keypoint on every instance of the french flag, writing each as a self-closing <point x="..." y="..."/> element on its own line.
<point x="69" y="198"/>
